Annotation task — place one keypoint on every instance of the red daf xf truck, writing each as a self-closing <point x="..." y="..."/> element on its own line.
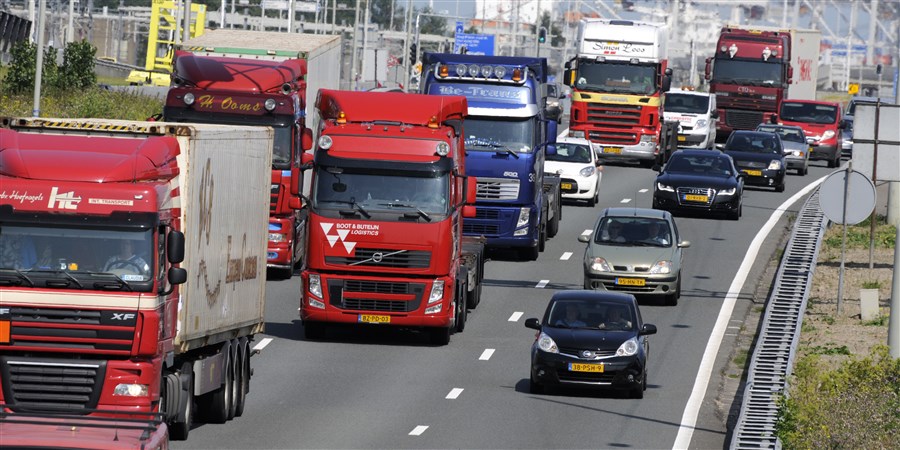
<point x="241" y="77"/>
<point x="132" y="270"/>
<point x="389" y="196"/>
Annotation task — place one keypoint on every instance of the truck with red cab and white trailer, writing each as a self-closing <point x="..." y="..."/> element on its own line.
<point x="618" y="79"/>
<point x="389" y="197"/>
<point x="756" y="68"/>
<point x="132" y="266"/>
<point x="242" y="77"/>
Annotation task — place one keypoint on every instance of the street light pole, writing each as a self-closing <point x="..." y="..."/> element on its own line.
<point x="38" y="71"/>
<point x="406" y="43"/>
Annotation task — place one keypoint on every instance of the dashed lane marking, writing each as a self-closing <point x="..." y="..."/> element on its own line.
<point x="542" y="284"/>
<point x="515" y="316"/>
<point x="454" y="393"/>
<point x="625" y="200"/>
<point x="486" y="354"/>
<point x="262" y="344"/>
<point x="643" y="190"/>
<point x="565" y="256"/>
<point x="417" y="431"/>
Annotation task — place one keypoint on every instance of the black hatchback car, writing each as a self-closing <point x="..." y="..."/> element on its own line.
<point x="759" y="156"/>
<point x="591" y="339"/>
<point x="699" y="180"/>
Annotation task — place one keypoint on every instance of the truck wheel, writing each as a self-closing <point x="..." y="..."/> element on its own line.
<point x="235" y="370"/>
<point x="473" y="297"/>
<point x="439" y="336"/>
<point x="217" y="403"/>
<point x="242" y="380"/>
<point x="180" y="426"/>
<point x="314" y="330"/>
<point x="542" y="240"/>
<point x="462" y="314"/>
<point x="553" y="226"/>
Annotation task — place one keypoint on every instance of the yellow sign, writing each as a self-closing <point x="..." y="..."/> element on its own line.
<point x="853" y="88"/>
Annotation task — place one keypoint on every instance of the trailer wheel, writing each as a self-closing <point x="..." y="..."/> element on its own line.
<point x="217" y="403"/>
<point x="180" y="426"/>
<point x="242" y="376"/>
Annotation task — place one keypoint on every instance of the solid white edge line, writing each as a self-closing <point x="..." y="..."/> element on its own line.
<point x="516" y="316"/>
<point x="701" y="382"/>
<point x="542" y="284"/>
<point x="565" y="256"/>
<point x="262" y="344"/>
<point x="417" y="431"/>
<point x="454" y="393"/>
<point x="486" y="354"/>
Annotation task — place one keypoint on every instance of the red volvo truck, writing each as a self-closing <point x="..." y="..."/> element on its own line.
<point x="755" y="69"/>
<point x="389" y="196"/>
<point x="132" y="272"/>
<point x="240" y="77"/>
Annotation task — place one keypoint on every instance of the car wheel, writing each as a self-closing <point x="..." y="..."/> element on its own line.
<point x="672" y="299"/>
<point x="534" y="387"/>
<point x="638" y="392"/>
<point x="779" y="188"/>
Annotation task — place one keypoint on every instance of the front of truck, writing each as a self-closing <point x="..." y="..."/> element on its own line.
<point x="506" y="138"/>
<point x="240" y="91"/>
<point x="386" y="212"/>
<point x="750" y="75"/>
<point x="84" y="327"/>
<point x="617" y="79"/>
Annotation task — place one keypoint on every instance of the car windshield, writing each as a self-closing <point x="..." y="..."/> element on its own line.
<point x="756" y="143"/>
<point x="615" y="77"/>
<point x="573" y="153"/>
<point x="787" y="134"/>
<point x="808" y="112"/>
<point x="565" y="313"/>
<point x="686" y="103"/>
<point x="713" y="164"/>
<point x="634" y="231"/>
<point x="500" y="134"/>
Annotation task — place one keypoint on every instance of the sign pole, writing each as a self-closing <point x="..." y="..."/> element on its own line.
<point x="844" y="238"/>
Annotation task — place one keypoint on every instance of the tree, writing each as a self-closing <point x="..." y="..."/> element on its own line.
<point x="381" y="14"/>
<point x="431" y="24"/>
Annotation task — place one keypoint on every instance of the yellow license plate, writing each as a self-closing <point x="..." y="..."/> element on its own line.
<point x="682" y="138"/>
<point x="630" y="281"/>
<point x="696" y="198"/>
<point x="579" y="367"/>
<point x="373" y="318"/>
<point x="755" y="173"/>
<point x="566" y="186"/>
<point x="613" y="150"/>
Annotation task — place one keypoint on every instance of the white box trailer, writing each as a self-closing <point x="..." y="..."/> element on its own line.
<point x="805" y="63"/>
<point x="321" y="52"/>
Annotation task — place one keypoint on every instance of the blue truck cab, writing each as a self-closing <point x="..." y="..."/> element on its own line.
<point x="508" y="132"/>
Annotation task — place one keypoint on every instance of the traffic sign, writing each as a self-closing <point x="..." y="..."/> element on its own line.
<point x="855" y="186"/>
<point x="475" y="44"/>
<point x="853" y="88"/>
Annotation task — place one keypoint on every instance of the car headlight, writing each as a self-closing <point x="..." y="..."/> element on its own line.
<point x="828" y="134"/>
<point x="576" y="134"/>
<point x="628" y="348"/>
<point x="702" y="123"/>
<point x="797" y="153"/>
<point x="728" y="191"/>
<point x="131" y="390"/>
<point x="524" y="214"/>
<point x="664" y="187"/>
<point x="546" y="343"/>
<point x="599" y="264"/>
<point x="437" y="291"/>
<point x="315" y="285"/>
<point x="775" y="165"/>
<point x="662" y="267"/>
<point x="587" y="171"/>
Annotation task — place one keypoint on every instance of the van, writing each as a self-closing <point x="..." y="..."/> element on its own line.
<point x="821" y="121"/>
<point x="696" y="115"/>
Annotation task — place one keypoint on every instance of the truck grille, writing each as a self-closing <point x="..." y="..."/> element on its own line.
<point x="618" y="123"/>
<point x="380" y="287"/>
<point x="749" y="104"/>
<point x="708" y="192"/>
<point x="52" y="384"/>
<point x="483" y="229"/>
<point x="486" y="214"/>
<point x="743" y="120"/>
<point x="613" y="137"/>
<point x="360" y="304"/>
<point x="497" y="189"/>
<point x="412" y="292"/>
<point x="379" y="257"/>
<point x="85" y="330"/>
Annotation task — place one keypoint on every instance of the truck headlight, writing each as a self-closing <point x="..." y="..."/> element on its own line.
<point x="276" y="237"/>
<point x="599" y="264"/>
<point x="524" y="215"/>
<point x="437" y="291"/>
<point x="547" y="344"/>
<point x="648" y="138"/>
<point x="587" y="171"/>
<point x="576" y="134"/>
<point x="131" y="390"/>
<point x="702" y="123"/>
<point x="315" y="285"/>
<point x="661" y="267"/>
<point x="628" y="348"/>
<point x="775" y="165"/>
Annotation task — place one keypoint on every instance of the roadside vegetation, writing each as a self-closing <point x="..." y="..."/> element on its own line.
<point x="69" y="90"/>
<point x="845" y="388"/>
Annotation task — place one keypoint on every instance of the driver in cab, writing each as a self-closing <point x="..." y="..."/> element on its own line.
<point x="127" y="260"/>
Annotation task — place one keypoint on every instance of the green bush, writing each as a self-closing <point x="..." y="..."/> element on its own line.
<point x="77" y="71"/>
<point x="855" y="405"/>
<point x="92" y="102"/>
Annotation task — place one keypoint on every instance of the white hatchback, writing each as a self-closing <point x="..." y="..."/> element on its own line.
<point x="578" y="168"/>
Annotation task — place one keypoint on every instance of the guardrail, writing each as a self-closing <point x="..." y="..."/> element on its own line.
<point x="773" y="357"/>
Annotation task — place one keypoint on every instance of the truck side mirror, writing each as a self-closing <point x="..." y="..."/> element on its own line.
<point x="177" y="275"/>
<point x="306" y="159"/>
<point x="553" y="113"/>
<point x="714" y="114"/>
<point x="471" y="190"/>
<point x="708" y="69"/>
<point x="667" y="82"/>
<point x="296" y="180"/>
<point x="569" y="77"/>
<point x="790" y="74"/>
<point x="551" y="149"/>
<point x="306" y="140"/>
<point x="175" y="247"/>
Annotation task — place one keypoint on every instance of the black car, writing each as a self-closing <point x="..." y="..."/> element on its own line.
<point x="759" y="156"/>
<point x="591" y="339"/>
<point x="699" y="180"/>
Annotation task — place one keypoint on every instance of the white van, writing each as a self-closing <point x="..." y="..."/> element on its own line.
<point x="696" y="114"/>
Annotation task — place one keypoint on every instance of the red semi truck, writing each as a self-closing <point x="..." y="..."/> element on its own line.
<point x="389" y="196"/>
<point x="132" y="272"/>
<point x="755" y="69"/>
<point x="242" y="77"/>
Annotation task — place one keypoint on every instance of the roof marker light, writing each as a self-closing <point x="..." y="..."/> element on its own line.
<point x="461" y="70"/>
<point x="499" y="71"/>
<point x="270" y="104"/>
<point x="443" y="148"/>
<point x="600" y="59"/>
<point x="443" y="71"/>
<point x="341" y="118"/>
<point x="433" y="122"/>
<point x="325" y="142"/>
<point x="486" y="71"/>
<point x="474" y="70"/>
<point x="271" y="52"/>
<point x="517" y="74"/>
<point x="634" y="61"/>
<point x="189" y="99"/>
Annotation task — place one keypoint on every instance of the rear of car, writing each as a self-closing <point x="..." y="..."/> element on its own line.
<point x="821" y="121"/>
<point x="696" y="115"/>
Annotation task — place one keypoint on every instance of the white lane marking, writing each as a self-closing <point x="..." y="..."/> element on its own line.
<point x="625" y="200"/>
<point x="516" y="316"/>
<point x="643" y="190"/>
<point x="417" y="431"/>
<point x="692" y="409"/>
<point x="454" y="393"/>
<point x="565" y="256"/>
<point x="564" y="133"/>
<point x="586" y="232"/>
<point x="262" y="344"/>
<point x="486" y="354"/>
<point x="542" y="284"/>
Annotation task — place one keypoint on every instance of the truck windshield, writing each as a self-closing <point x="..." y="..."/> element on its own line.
<point x="615" y="77"/>
<point x="365" y="191"/>
<point x="748" y="73"/>
<point x="808" y="112"/>
<point x="686" y="103"/>
<point x="77" y="257"/>
<point x="504" y="134"/>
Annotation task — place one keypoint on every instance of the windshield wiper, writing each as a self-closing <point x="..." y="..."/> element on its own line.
<point x="21" y="275"/>
<point x="353" y="203"/>
<point x="55" y="272"/>
<point x="407" y="205"/>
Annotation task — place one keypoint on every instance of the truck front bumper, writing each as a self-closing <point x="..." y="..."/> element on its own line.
<point x="644" y="151"/>
<point x="500" y="226"/>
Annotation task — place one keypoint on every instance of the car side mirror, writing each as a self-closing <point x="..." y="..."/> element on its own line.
<point x="843" y="124"/>
<point x="684" y="244"/>
<point x="714" y="114"/>
<point x="648" y="328"/>
<point x="532" y="323"/>
<point x="585" y="238"/>
<point x="812" y="142"/>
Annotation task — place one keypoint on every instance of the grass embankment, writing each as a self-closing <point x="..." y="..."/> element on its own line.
<point x="95" y="103"/>
<point x="845" y="389"/>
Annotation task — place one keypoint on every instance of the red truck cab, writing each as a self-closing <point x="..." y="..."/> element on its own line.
<point x="822" y="122"/>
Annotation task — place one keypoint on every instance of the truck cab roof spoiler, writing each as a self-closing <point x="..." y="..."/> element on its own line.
<point x="412" y="109"/>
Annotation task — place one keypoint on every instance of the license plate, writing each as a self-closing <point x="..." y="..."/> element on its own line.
<point x="373" y="318"/>
<point x="696" y="198"/>
<point x="682" y="138"/>
<point x="630" y="281"/>
<point x="566" y="186"/>
<point x="755" y="173"/>
<point x="579" y="367"/>
<point x="613" y="150"/>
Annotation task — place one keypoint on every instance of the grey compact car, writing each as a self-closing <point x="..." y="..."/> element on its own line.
<point x="634" y="250"/>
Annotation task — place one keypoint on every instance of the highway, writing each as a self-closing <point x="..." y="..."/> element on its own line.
<point x="387" y="388"/>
